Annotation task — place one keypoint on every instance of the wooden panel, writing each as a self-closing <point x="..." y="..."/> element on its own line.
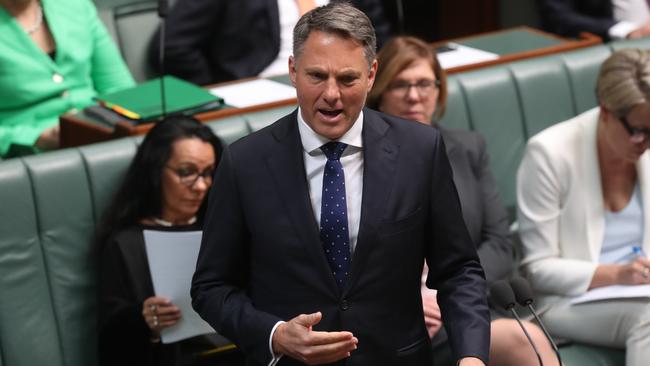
<point x="464" y="17"/>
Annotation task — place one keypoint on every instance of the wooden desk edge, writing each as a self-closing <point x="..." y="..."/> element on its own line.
<point x="76" y="131"/>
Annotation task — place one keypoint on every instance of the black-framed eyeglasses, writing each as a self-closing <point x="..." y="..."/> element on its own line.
<point x="189" y="175"/>
<point x="424" y="87"/>
<point x="635" y="131"/>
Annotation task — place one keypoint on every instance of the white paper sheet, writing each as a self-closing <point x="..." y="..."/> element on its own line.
<point x="613" y="292"/>
<point x="172" y="260"/>
<point x="463" y="55"/>
<point x="254" y="92"/>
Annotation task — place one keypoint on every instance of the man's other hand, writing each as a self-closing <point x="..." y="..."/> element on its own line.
<point x="297" y="340"/>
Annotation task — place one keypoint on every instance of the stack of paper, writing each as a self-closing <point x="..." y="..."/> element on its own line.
<point x="255" y="92"/>
<point x="460" y="55"/>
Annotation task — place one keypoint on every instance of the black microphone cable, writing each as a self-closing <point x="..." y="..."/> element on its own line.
<point x="524" y="296"/>
<point x="163" y="8"/>
<point x="502" y="294"/>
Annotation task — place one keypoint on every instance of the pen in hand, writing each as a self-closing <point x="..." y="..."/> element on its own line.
<point x="638" y="252"/>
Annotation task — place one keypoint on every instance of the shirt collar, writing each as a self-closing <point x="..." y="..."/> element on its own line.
<point x="311" y="141"/>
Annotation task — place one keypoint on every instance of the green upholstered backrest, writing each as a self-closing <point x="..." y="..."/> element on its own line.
<point x="582" y="69"/>
<point x="580" y="354"/>
<point x="491" y="100"/>
<point x="456" y="111"/>
<point x="29" y="327"/>
<point x="230" y="129"/>
<point x="544" y="94"/>
<point x="132" y="25"/>
<point x="258" y="120"/>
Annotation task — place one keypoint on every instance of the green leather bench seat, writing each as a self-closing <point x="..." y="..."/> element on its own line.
<point x="581" y="355"/>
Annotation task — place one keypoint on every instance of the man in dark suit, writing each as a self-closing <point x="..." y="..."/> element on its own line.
<point x="571" y="17"/>
<point x="318" y="225"/>
<point x="209" y="41"/>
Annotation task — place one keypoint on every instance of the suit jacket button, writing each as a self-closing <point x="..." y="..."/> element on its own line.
<point x="344" y="305"/>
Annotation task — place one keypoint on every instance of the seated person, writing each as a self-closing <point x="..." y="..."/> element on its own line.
<point x="411" y="84"/>
<point x="209" y="41"/>
<point x="164" y="189"/>
<point x="582" y="189"/>
<point x="55" y="56"/>
<point x="609" y="19"/>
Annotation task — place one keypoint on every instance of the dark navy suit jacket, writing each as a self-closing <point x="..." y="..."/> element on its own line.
<point x="570" y="17"/>
<point x="261" y="260"/>
<point x="209" y="41"/>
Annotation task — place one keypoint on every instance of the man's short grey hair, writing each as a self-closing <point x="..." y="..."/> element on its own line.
<point x="339" y="18"/>
<point x="624" y="81"/>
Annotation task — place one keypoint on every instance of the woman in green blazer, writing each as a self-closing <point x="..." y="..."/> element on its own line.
<point x="55" y="56"/>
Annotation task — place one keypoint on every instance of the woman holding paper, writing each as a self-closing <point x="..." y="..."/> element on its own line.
<point x="164" y="189"/>
<point x="582" y="189"/>
<point x="411" y="84"/>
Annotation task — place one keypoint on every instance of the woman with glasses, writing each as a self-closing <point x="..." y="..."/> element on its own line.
<point x="582" y="189"/>
<point x="411" y="84"/>
<point x="164" y="189"/>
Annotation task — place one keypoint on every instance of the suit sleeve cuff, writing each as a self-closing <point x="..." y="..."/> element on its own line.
<point x="620" y="30"/>
<point x="274" y="358"/>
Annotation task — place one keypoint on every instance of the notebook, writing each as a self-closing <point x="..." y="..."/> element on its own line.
<point x="143" y="102"/>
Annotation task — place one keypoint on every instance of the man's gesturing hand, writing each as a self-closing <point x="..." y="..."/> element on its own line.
<point x="296" y="339"/>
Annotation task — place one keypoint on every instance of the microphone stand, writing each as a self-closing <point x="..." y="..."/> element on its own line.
<point x="400" y="15"/>
<point x="546" y="333"/>
<point x="162" y="14"/>
<point x="524" y="296"/>
<point x="530" y="339"/>
<point x="503" y="295"/>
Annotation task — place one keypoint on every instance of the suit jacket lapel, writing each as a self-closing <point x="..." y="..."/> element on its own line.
<point x="594" y="208"/>
<point x="288" y="171"/>
<point x="379" y="164"/>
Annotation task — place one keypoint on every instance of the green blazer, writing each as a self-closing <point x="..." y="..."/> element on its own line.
<point x="35" y="89"/>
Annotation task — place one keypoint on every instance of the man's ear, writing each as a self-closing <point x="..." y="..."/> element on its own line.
<point x="292" y="70"/>
<point x="372" y="73"/>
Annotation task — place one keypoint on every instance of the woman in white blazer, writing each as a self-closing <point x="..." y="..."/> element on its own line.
<point x="582" y="189"/>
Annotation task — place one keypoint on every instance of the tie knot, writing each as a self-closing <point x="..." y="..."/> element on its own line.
<point x="333" y="150"/>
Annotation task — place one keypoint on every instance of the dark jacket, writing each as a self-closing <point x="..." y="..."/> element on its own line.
<point x="570" y="17"/>
<point x="261" y="259"/>
<point x="209" y="41"/>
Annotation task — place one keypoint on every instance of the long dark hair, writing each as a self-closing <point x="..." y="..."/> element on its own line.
<point x="140" y="194"/>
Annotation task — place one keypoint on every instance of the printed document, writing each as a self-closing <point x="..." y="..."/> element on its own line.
<point x="613" y="292"/>
<point x="172" y="260"/>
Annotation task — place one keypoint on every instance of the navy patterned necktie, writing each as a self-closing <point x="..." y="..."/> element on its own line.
<point x="334" y="214"/>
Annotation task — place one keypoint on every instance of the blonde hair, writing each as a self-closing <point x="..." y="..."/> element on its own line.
<point x="624" y="81"/>
<point x="398" y="54"/>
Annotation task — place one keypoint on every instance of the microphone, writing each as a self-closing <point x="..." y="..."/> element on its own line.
<point x="163" y="8"/>
<point x="502" y="294"/>
<point x="524" y="296"/>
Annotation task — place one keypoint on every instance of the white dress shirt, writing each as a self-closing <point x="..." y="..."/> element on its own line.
<point x="289" y="15"/>
<point x="630" y="15"/>
<point x="315" y="160"/>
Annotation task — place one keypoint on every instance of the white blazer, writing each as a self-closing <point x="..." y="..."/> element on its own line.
<point x="560" y="206"/>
